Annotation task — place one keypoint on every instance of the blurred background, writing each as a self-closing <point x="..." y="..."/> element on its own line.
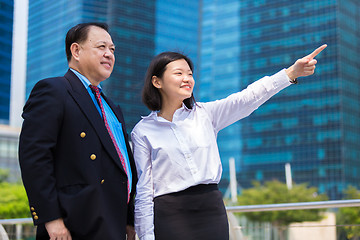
<point x="313" y="128"/>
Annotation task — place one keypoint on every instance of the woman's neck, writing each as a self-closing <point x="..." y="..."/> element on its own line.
<point x="168" y="110"/>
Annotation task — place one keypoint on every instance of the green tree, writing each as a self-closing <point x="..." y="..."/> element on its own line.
<point x="13" y="201"/>
<point x="350" y="216"/>
<point x="274" y="192"/>
<point x="4" y="175"/>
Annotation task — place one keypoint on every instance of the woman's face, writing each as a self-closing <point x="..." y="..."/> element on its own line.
<point x="177" y="82"/>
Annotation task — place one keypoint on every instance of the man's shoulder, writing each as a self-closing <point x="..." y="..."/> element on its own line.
<point x="56" y="86"/>
<point x="60" y="80"/>
<point x="60" y="83"/>
<point x="52" y="80"/>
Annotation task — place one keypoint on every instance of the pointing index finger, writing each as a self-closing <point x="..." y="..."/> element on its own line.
<point x="317" y="51"/>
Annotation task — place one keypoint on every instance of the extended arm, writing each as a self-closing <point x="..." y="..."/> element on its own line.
<point x="240" y="105"/>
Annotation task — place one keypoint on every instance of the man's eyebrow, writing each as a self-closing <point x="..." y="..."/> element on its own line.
<point x="104" y="42"/>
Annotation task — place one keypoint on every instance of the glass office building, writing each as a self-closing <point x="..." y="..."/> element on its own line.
<point x="9" y="144"/>
<point x="314" y="125"/>
<point x="220" y="73"/>
<point x="177" y="29"/>
<point x="48" y="24"/>
<point x="131" y="26"/>
<point x="6" y="29"/>
<point x="140" y="30"/>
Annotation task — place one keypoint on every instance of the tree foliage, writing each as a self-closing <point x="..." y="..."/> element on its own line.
<point x="13" y="201"/>
<point x="274" y="192"/>
<point x="350" y="215"/>
<point x="4" y="175"/>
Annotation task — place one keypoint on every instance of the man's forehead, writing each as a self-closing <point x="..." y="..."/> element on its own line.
<point x="99" y="35"/>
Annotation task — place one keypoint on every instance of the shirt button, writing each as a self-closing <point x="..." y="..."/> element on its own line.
<point x="82" y="135"/>
<point x="92" y="156"/>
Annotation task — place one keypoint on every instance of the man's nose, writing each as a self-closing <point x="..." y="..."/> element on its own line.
<point x="108" y="53"/>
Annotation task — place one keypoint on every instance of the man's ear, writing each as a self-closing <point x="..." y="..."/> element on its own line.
<point x="156" y="81"/>
<point x="75" y="50"/>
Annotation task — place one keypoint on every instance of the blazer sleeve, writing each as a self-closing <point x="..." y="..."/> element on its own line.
<point x="42" y="116"/>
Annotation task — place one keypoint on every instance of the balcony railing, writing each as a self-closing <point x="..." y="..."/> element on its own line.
<point x="235" y="229"/>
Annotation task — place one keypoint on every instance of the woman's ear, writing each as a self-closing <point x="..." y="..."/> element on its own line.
<point x="75" y="50"/>
<point x="156" y="81"/>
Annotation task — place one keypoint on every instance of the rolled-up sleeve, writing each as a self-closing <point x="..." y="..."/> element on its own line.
<point x="144" y="206"/>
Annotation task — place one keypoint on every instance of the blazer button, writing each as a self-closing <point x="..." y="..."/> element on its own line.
<point x="82" y="135"/>
<point x="102" y="181"/>
<point x="36" y="217"/>
<point x="32" y="209"/>
<point x="93" y="156"/>
<point x="34" y="213"/>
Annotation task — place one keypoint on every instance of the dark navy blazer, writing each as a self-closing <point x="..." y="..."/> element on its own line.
<point x="70" y="167"/>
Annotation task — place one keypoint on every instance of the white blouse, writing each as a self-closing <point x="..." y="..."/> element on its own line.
<point x="172" y="156"/>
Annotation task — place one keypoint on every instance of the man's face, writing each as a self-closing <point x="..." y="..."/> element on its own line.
<point x="96" y="55"/>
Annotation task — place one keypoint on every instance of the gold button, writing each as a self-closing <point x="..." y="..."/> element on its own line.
<point x="34" y="213"/>
<point x="102" y="181"/>
<point x="32" y="209"/>
<point x="93" y="156"/>
<point x="83" y="134"/>
<point x="36" y="217"/>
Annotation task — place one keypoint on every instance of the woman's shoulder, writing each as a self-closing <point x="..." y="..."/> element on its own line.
<point x="145" y="120"/>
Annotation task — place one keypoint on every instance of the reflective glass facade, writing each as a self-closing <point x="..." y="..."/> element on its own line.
<point x="49" y="22"/>
<point x="140" y="30"/>
<point x="131" y="26"/>
<point x="314" y="125"/>
<point x="177" y="28"/>
<point x="6" y="29"/>
<point x="220" y="73"/>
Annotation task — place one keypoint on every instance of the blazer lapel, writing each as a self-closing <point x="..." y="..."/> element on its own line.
<point x="81" y="96"/>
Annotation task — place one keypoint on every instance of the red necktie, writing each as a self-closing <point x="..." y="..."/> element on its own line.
<point x="98" y="98"/>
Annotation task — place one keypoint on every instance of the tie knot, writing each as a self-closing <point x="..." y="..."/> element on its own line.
<point x="95" y="89"/>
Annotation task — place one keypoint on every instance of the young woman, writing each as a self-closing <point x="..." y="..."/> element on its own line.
<point x="176" y="153"/>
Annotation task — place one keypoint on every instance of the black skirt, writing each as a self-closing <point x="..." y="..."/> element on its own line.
<point x="193" y="214"/>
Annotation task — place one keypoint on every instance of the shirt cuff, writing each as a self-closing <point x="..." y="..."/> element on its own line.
<point x="282" y="80"/>
<point x="148" y="236"/>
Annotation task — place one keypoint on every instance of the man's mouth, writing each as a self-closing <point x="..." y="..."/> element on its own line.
<point x="106" y="64"/>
